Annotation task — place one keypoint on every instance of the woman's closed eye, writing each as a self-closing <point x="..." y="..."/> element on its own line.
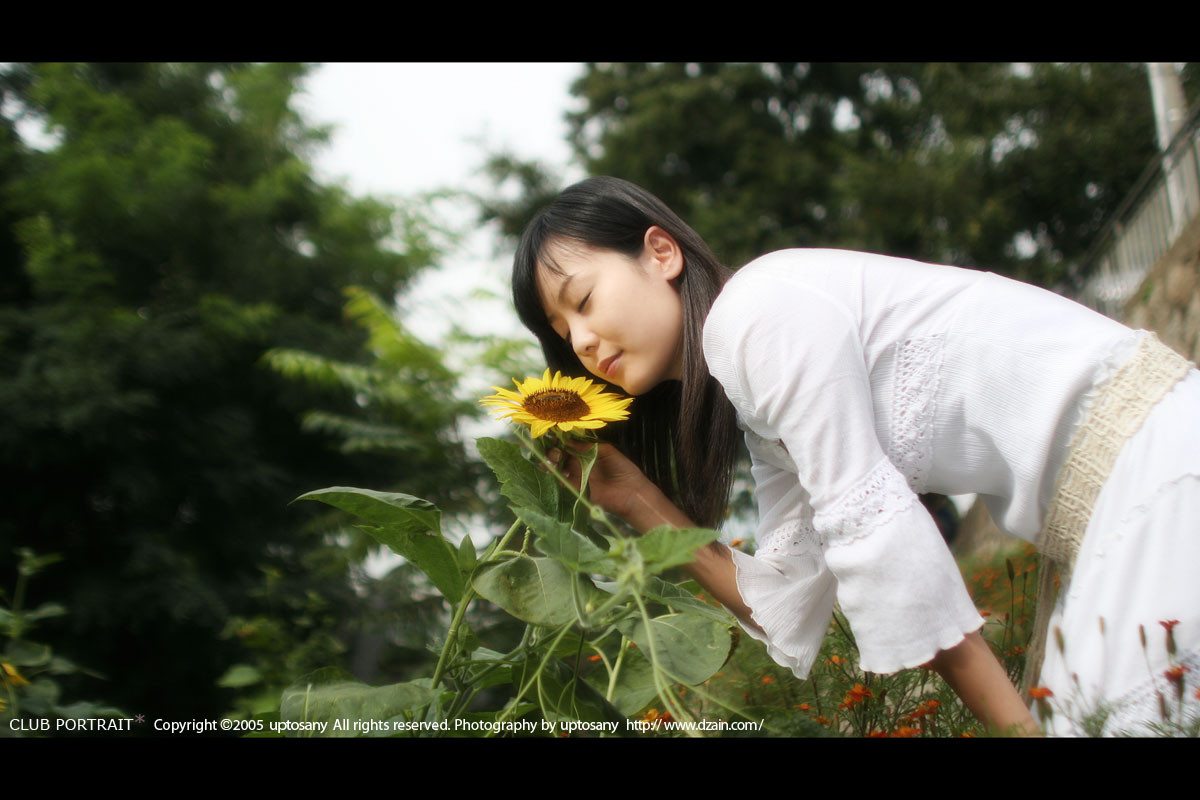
<point x="579" y="309"/>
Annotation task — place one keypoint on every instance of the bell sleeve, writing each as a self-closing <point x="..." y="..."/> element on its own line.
<point x="791" y="360"/>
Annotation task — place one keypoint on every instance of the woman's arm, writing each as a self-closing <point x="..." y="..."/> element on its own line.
<point x="970" y="668"/>
<point x="981" y="683"/>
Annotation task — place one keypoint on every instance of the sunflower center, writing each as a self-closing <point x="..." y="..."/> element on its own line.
<point x="556" y="405"/>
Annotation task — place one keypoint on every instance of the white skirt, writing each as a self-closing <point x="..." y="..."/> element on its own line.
<point x="1138" y="567"/>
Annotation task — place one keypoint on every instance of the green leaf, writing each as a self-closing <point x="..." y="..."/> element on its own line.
<point x="428" y="552"/>
<point x="64" y="666"/>
<point x="46" y="611"/>
<point x="682" y="600"/>
<point x="40" y="697"/>
<point x="689" y="648"/>
<point x="520" y="481"/>
<point x="21" y="653"/>
<point x="382" y="508"/>
<point x="239" y="675"/>
<point x="635" y="683"/>
<point x="665" y="547"/>
<point x="85" y="709"/>
<point x="534" y="590"/>
<point x="331" y="694"/>
<point x="31" y="564"/>
<point x="556" y="539"/>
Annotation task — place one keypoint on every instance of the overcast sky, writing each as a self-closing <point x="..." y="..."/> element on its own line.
<point x="403" y="129"/>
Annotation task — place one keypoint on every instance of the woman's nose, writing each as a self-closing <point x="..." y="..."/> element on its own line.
<point x="583" y="339"/>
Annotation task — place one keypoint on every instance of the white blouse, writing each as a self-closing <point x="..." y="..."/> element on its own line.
<point x="861" y="380"/>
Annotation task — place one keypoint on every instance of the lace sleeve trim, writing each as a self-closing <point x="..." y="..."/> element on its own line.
<point x="870" y="504"/>
<point x="795" y="537"/>
<point x="914" y="404"/>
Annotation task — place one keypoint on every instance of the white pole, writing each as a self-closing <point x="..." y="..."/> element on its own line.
<point x="1166" y="91"/>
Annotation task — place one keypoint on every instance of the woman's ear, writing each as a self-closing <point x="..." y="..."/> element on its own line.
<point x="661" y="252"/>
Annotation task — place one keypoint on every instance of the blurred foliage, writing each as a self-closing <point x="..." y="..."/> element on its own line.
<point x="1012" y="168"/>
<point x="166" y="236"/>
<point x="33" y="678"/>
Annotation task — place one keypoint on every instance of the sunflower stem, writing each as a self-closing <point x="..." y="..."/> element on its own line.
<point x="461" y="610"/>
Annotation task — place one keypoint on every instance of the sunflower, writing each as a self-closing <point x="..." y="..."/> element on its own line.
<point x="560" y="402"/>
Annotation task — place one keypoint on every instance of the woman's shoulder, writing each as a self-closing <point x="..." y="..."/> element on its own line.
<point x="766" y="295"/>
<point x="796" y="261"/>
<point x="771" y="278"/>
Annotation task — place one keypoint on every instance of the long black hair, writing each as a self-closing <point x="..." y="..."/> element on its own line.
<point x="683" y="435"/>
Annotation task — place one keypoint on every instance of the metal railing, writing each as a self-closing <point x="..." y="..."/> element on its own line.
<point x="1165" y="198"/>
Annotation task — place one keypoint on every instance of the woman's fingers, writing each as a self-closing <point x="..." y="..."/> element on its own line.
<point x="563" y="463"/>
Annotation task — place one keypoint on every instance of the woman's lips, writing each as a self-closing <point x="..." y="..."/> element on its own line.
<point x="608" y="366"/>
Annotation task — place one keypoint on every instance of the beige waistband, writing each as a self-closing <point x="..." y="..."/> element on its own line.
<point x="1120" y="407"/>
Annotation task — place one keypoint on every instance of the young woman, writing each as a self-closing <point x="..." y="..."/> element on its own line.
<point x="859" y="380"/>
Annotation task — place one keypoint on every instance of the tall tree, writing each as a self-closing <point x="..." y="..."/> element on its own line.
<point x="1009" y="167"/>
<point x="171" y="235"/>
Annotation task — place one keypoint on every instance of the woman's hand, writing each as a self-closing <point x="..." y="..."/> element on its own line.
<point x="618" y="486"/>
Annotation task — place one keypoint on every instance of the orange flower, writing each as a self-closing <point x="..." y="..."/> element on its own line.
<point x="820" y="720"/>
<point x="835" y="659"/>
<point x="737" y="543"/>
<point x="1040" y="693"/>
<point x="596" y="657"/>
<point x="877" y="735"/>
<point x="856" y="695"/>
<point x="860" y="692"/>
<point x="767" y="679"/>
<point x="807" y="707"/>
<point x="1170" y="624"/>
<point x="905" y="732"/>
<point x="985" y="613"/>
<point x="1175" y="673"/>
<point x="933" y="704"/>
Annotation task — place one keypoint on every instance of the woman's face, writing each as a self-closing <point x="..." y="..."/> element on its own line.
<point x="622" y="316"/>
